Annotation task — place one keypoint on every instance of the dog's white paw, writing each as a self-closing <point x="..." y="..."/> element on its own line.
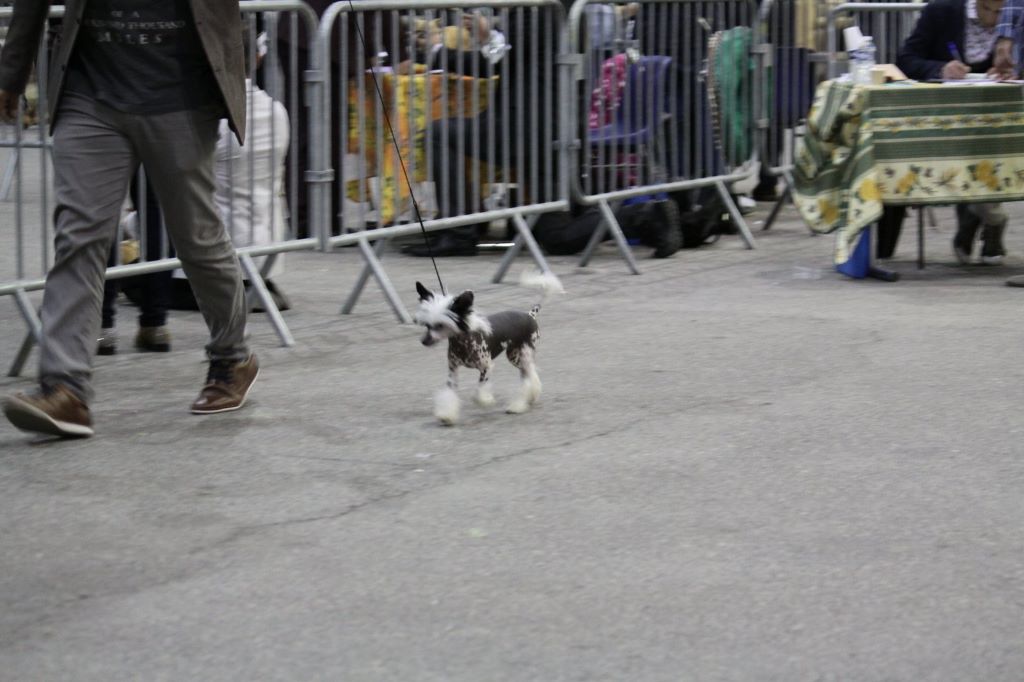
<point x="484" y="398"/>
<point x="518" y="406"/>
<point x="446" y="406"/>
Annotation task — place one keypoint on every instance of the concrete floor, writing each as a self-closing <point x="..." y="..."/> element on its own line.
<point x="743" y="467"/>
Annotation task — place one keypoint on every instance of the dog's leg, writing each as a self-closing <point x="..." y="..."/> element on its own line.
<point x="530" y="387"/>
<point x="484" y="397"/>
<point x="528" y="371"/>
<point x="446" y="401"/>
<point x="531" y="376"/>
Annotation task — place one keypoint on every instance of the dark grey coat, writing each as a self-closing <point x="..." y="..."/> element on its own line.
<point x="218" y="23"/>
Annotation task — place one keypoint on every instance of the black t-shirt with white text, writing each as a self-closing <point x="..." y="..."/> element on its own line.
<point x="141" y="57"/>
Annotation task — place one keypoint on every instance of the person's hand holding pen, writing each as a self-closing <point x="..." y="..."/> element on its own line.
<point x="956" y="69"/>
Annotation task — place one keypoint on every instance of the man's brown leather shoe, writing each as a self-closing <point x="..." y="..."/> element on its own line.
<point x="56" y="411"/>
<point x="227" y="384"/>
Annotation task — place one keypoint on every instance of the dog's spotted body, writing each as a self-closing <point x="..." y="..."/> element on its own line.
<point x="474" y="342"/>
<point x="511" y="331"/>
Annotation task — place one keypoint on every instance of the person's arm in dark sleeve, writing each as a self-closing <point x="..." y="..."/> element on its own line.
<point x="917" y="56"/>
<point x="22" y="43"/>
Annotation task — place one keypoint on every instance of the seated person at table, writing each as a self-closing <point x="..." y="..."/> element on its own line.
<point x="501" y="134"/>
<point x="952" y="39"/>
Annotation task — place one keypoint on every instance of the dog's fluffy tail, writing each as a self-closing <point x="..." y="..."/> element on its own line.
<point x="547" y="282"/>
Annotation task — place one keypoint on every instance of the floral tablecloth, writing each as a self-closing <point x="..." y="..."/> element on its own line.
<point x="413" y="101"/>
<point x="905" y="144"/>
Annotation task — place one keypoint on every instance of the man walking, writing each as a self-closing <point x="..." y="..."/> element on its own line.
<point x="132" y="81"/>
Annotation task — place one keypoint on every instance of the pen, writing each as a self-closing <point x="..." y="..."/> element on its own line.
<point x="955" y="53"/>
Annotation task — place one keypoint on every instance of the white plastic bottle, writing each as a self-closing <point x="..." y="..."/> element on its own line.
<point x="861" y="61"/>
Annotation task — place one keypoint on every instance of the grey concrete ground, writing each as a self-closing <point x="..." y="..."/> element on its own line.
<point x="743" y="467"/>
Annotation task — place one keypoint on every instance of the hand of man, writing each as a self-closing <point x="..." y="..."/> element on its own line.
<point x="8" y="106"/>
<point x="1003" y="67"/>
<point x="955" y="70"/>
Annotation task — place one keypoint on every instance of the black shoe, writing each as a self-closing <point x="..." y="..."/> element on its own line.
<point x="281" y="301"/>
<point x="967" y="227"/>
<point x="992" y="250"/>
<point x="444" y="245"/>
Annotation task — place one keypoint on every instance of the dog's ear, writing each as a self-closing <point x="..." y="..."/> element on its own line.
<point x="425" y="293"/>
<point x="463" y="303"/>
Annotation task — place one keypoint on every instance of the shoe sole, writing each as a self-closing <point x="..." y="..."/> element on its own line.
<point x="32" y="419"/>
<point x="992" y="260"/>
<point x="154" y="348"/>
<point x="240" y="404"/>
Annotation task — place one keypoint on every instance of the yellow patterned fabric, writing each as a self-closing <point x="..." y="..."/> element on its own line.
<point x="412" y="102"/>
<point x="905" y="144"/>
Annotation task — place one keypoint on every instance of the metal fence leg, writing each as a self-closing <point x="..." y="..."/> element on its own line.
<point x="21" y="359"/>
<point x="737" y="217"/>
<point x="610" y="224"/>
<point x="8" y="180"/>
<point x="373" y="266"/>
<point x="787" y="177"/>
<point x="268" y="264"/>
<point x="253" y="294"/>
<point x="260" y="288"/>
<point x="779" y="203"/>
<point x="595" y="239"/>
<point x="523" y="238"/>
<point x="920" y="237"/>
<point x="364" y="277"/>
<point x="33" y="337"/>
<point x="790" y="185"/>
<point x="784" y="198"/>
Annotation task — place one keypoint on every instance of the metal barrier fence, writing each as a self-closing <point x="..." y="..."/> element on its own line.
<point x="252" y="194"/>
<point x="450" y="104"/>
<point x="797" y="62"/>
<point x="673" y="103"/>
<point x="480" y="114"/>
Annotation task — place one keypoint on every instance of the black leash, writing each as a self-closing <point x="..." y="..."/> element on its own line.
<point x="398" y="150"/>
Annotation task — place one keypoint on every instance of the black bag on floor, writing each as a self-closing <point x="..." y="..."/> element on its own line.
<point x="705" y="224"/>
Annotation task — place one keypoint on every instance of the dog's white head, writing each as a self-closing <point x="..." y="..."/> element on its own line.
<point x="446" y="316"/>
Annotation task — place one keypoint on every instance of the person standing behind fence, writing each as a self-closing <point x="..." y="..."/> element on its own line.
<point x="152" y="290"/>
<point x="508" y="132"/>
<point x="250" y="177"/>
<point x="132" y="81"/>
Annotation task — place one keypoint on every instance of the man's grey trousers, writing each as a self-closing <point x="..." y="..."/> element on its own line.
<point x="96" y="151"/>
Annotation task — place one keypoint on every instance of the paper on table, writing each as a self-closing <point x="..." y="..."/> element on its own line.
<point x="975" y="79"/>
<point x="981" y="81"/>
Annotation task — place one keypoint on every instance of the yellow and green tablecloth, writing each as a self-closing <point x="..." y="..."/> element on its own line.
<point x="905" y="144"/>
